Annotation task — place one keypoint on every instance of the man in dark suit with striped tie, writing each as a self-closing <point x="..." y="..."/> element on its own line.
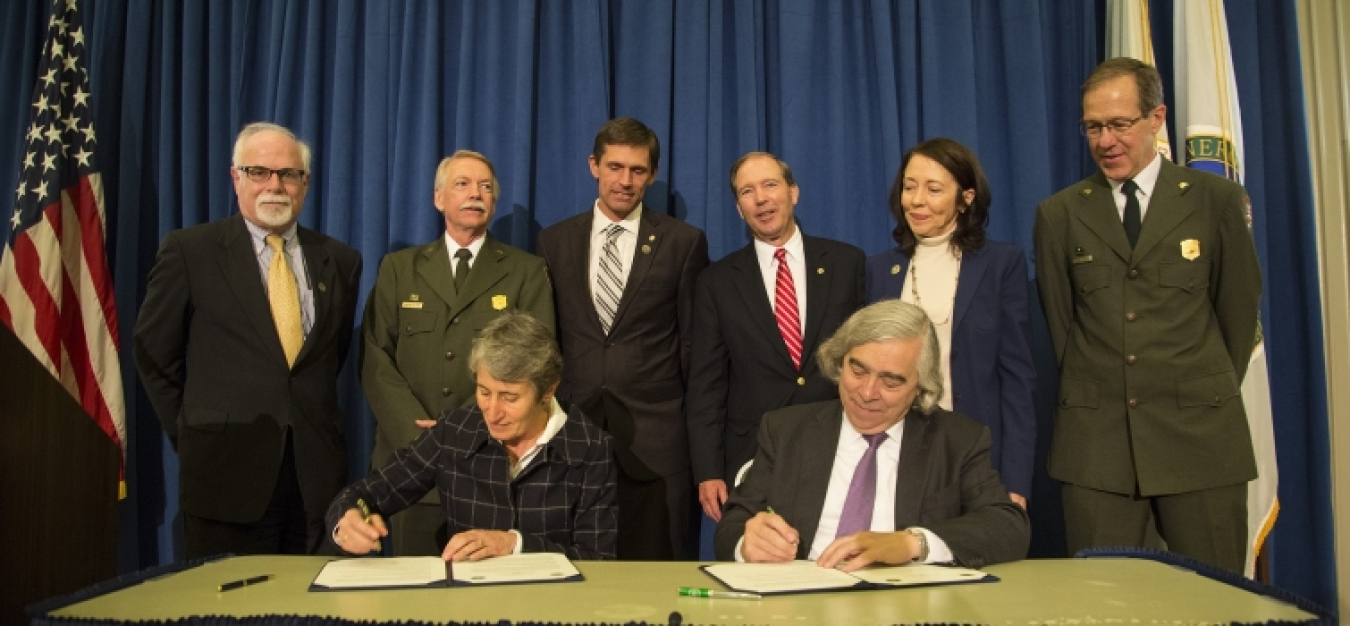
<point x="623" y="282"/>
<point x="759" y="314"/>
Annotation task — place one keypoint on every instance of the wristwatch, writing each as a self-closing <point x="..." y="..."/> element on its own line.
<point x="923" y="544"/>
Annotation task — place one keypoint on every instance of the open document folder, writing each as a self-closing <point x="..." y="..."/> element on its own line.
<point x="805" y="576"/>
<point x="431" y="571"/>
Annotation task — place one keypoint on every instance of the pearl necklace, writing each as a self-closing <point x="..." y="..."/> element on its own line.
<point x="914" y="288"/>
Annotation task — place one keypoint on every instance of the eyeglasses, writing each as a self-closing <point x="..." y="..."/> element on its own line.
<point x="260" y="174"/>
<point x="1118" y="126"/>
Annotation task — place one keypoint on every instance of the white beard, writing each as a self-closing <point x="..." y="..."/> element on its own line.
<point x="274" y="215"/>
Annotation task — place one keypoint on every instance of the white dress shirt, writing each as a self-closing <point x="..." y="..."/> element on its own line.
<point x="796" y="263"/>
<point x="1147" y="179"/>
<point x="452" y="248"/>
<point x="847" y="454"/>
<point x="626" y="242"/>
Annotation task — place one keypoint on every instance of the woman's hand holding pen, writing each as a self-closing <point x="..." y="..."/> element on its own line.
<point x="355" y="536"/>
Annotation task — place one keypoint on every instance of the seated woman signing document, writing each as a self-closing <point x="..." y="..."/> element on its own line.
<point x="515" y="474"/>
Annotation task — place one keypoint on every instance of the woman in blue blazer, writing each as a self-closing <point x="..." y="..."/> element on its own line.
<point x="974" y="290"/>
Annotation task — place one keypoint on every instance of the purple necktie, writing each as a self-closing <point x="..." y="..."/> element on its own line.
<point x="862" y="491"/>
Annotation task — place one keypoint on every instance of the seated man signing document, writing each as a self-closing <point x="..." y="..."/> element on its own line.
<point x="515" y="474"/>
<point x="882" y="475"/>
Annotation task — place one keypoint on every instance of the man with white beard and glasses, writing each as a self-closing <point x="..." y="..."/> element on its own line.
<point x="245" y="325"/>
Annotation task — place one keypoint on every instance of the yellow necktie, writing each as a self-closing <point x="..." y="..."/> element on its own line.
<point x="284" y="297"/>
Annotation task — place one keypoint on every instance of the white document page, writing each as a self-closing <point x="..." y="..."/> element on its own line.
<point x="918" y="574"/>
<point x="408" y="571"/>
<point x="780" y="577"/>
<point x="514" y="568"/>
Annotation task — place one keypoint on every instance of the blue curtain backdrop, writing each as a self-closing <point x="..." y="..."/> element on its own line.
<point x="382" y="90"/>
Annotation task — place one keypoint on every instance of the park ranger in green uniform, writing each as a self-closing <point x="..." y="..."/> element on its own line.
<point x="425" y="310"/>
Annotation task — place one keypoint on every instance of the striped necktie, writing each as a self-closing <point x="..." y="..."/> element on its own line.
<point x="609" y="281"/>
<point x="785" y="309"/>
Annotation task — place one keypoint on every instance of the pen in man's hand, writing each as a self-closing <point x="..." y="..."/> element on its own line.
<point x="235" y="584"/>
<point x="365" y="517"/>
<point x="695" y="592"/>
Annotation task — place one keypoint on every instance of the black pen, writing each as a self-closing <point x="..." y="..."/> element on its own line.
<point x="365" y="517"/>
<point x="235" y="584"/>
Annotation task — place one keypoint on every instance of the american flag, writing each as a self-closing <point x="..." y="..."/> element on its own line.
<point x="56" y="290"/>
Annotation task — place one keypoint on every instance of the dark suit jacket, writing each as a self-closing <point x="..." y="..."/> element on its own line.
<point x="944" y="483"/>
<point x="644" y="360"/>
<point x="212" y="365"/>
<point x="1152" y="345"/>
<point x="417" y="331"/>
<point x="741" y="367"/>
<point x="993" y="376"/>
<point x="563" y="501"/>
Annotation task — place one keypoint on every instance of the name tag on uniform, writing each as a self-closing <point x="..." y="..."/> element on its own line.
<point x="412" y="305"/>
<point x="1082" y="258"/>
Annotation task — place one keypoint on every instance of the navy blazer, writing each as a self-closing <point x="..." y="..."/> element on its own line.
<point x="993" y="376"/>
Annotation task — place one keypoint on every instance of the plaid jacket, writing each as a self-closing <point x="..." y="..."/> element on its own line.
<point x="562" y="502"/>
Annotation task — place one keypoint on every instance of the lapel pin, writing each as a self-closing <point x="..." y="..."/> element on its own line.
<point x="499" y="302"/>
<point x="414" y="297"/>
<point x="895" y="269"/>
<point x="1183" y="186"/>
<point x="820" y="270"/>
<point x="646" y="249"/>
<point x="1087" y="191"/>
<point x="651" y="237"/>
<point x="323" y="288"/>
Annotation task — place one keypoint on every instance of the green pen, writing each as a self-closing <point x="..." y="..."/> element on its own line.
<point x="695" y="592"/>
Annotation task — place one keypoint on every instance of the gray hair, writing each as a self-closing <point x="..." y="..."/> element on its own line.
<point x="1146" y="78"/>
<point x="444" y="166"/>
<point x="882" y="321"/>
<point x="515" y="348"/>
<point x="254" y="128"/>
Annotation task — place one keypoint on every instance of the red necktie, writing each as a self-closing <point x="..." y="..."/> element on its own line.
<point x="785" y="309"/>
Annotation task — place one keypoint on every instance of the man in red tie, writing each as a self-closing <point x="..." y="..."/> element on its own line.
<point x="759" y="314"/>
<point x="882" y="474"/>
